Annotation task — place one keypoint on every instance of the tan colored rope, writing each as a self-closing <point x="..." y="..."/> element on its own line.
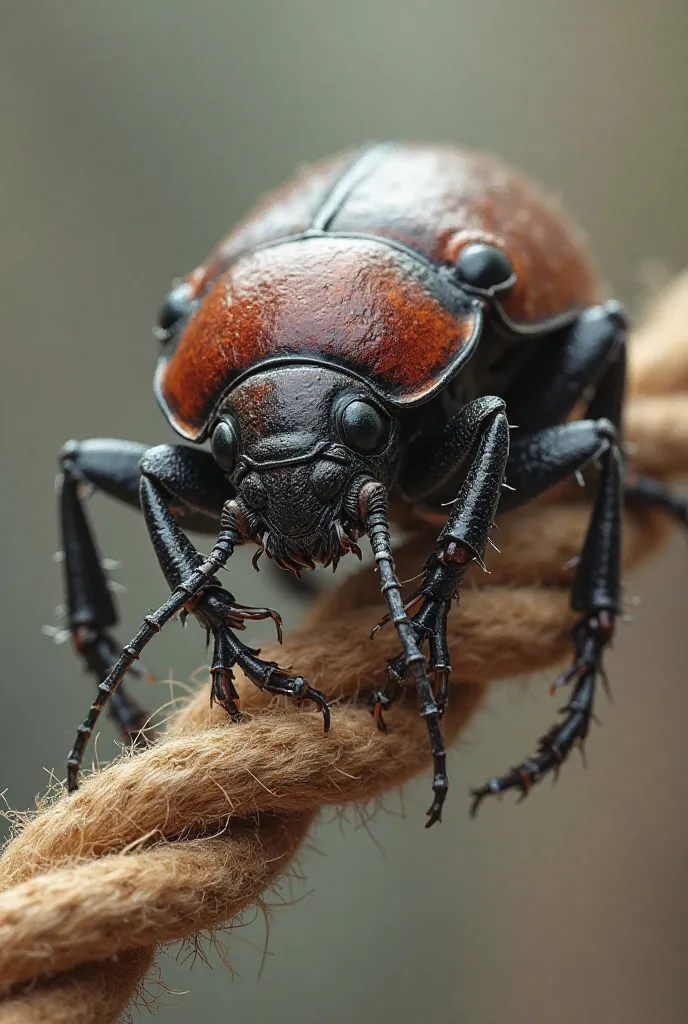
<point x="182" y="837"/>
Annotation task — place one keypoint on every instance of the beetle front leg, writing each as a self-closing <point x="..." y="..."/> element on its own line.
<point x="174" y="476"/>
<point x="215" y="608"/>
<point x="218" y="612"/>
<point x="465" y="536"/>
<point x="429" y="623"/>
<point x="479" y="433"/>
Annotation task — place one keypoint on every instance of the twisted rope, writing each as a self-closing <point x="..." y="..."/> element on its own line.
<point x="182" y="837"/>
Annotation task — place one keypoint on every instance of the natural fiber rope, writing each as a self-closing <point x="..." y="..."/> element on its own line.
<point x="182" y="837"/>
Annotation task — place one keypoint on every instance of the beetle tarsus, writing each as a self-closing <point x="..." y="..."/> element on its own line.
<point x="440" y="784"/>
<point x="592" y="635"/>
<point x="236" y="614"/>
<point x="218" y="609"/>
<point x="283" y="683"/>
<point x="222" y="689"/>
<point x="434" y="812"/>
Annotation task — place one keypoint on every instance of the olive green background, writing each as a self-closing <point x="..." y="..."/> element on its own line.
<point x="133" y="134"/>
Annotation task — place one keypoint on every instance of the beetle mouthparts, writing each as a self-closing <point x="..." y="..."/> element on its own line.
<point x="326" y="546"/>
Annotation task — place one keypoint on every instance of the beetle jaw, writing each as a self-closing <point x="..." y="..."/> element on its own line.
<point x="324" y="545"/>
<point x="334" y="536"/>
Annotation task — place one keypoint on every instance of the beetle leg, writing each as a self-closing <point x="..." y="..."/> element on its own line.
<point x="112" y="466"/>
<point x="553" y="748"/>
<point x="434" y="462"/>
<point x="645" y="490"/>
<point x="478" y="436"/>
<point x="535" y="464"/>
<point x="216" y="609"/>
<point x="480" y="433"/>
<point x="222" y="689"/>
<point x="572" y="362"/>
<point x="429" y="624"/>
<point x="202" y="573"/>
<point x="197" y="489"/>
<point x="596" y="593"/>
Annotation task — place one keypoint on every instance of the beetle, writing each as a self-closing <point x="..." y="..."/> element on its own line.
<point x="373" y="328"/>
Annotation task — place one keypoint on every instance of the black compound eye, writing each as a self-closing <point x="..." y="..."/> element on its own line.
<point x="224" y="445"/>
<point x="485" y="268"/>
<point x="364" y="427"/>
<point x="175" y="308"/>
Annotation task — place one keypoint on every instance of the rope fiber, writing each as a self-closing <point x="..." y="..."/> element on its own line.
<point x="182" y="837"/>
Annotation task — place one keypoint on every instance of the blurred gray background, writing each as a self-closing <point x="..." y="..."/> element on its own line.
<point x="133" y="135"/>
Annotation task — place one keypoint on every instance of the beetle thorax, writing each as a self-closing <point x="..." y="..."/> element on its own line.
<point x="298" y="442"/>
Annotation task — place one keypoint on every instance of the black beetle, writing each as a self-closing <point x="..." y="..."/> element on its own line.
<point x="373" y="327"/>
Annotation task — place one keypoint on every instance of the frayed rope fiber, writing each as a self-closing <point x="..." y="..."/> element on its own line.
<point x="181" y="837"/>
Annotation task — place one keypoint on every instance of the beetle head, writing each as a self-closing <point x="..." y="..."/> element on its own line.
<point x="298" y="442"/>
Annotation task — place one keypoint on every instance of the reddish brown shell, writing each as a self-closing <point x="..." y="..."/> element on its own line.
<point x="352" y="302"/>
<point x="361" y="302"/>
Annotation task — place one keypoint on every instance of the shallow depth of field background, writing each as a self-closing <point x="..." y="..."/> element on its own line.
<point x="133" y="135"/>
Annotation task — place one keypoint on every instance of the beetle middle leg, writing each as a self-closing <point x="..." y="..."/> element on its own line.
<point x="592" y="353"/>
<point x="112" y="466"/>
<point x="536" y="463"/>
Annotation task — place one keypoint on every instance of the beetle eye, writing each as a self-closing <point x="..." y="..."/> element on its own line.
<point x="364" y="427"/>
<point x="175" y="308"/>
<point x="485" y="268"/>
<point x="224" y="445"/>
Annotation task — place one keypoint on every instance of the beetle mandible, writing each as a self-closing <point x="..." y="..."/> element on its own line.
<point x="373" y="328"/>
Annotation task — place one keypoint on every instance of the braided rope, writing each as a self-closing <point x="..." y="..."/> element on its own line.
<point x="182" y="837"/>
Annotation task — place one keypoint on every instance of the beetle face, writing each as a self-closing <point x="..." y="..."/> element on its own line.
<point x="298" y="442"/>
